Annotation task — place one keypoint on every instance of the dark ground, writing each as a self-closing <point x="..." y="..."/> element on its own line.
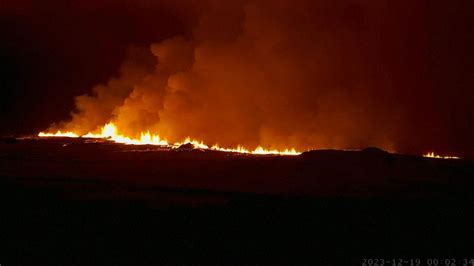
<point x="100" y="203"/>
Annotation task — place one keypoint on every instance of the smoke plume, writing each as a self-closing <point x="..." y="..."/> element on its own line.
<point x="302" y="74"/>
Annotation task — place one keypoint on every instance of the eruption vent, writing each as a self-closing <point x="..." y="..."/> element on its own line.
<point x="433" y="155"/>
<point x="109" y="131"/>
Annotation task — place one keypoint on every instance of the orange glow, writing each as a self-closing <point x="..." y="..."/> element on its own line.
<point x="433" y="155"/>
<point x="58" y="134"/>
<point x="109" y="131"/>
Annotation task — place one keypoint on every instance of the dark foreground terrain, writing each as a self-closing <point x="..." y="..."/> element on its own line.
<point x="83" y="203"/>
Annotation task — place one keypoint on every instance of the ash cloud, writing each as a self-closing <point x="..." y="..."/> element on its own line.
<point x="302" y="74"/>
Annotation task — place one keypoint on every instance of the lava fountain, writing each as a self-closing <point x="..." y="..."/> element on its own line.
<point x="109" y="131"/>
<point x="436" y="156"/>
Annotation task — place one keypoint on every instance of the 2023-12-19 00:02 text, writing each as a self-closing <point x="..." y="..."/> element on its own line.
<point x="419" y="262"/>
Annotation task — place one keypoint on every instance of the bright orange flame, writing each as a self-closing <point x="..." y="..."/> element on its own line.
<point x="58" y="134"/>
<point x="433" y="155"/>
<point x="109" y="131"/>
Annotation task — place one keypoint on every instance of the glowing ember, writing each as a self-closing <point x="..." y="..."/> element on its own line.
<point x="109" y="131"/>
<point x="433" y="155"/>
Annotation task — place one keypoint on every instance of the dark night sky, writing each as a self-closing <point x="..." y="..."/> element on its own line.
<point x="52" y="51"/>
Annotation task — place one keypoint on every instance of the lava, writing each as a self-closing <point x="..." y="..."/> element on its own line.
<point x="433" y="155"/>
<point x="58" y="134"/>
<point x="109" y="131"/>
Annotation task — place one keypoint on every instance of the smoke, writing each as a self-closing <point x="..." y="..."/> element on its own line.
<point x="279" y="74"/>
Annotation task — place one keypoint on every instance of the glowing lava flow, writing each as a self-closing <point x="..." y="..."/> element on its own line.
<point x="433" y="155"/>
<point x="109" y="131"/>
<point x="58" y="134"/>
